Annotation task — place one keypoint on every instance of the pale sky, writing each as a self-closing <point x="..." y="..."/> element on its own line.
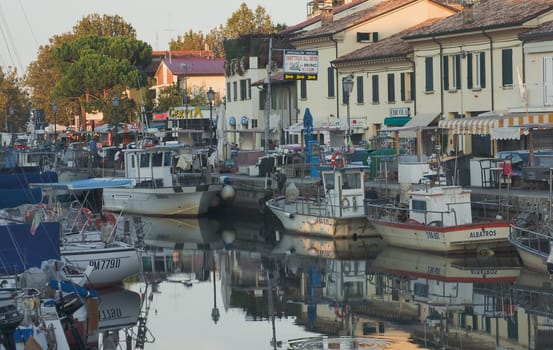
<point x="27" y="24"/>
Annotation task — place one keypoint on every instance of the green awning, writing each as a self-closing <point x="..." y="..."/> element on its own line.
<point x="396" y="121"/>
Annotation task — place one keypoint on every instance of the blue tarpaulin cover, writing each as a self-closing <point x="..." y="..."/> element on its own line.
<point x="86" y="184"/>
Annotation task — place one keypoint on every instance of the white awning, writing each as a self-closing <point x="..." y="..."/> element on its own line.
<point x="499" y="127"/>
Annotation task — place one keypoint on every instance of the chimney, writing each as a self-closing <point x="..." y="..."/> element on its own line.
<point x="327" y="16"/>
<point x="468" y="15"/>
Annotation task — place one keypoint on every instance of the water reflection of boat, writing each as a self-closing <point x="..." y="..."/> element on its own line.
<point x="180" y="233"/>
<point x="119" y="308"/>
<point x="471" y="268"/>
<point x="361" y="248"/>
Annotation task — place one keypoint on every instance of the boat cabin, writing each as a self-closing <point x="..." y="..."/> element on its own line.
<point x="442" y="205"/>
<point x="344" y="189"/>
<point x="150" y="167"/>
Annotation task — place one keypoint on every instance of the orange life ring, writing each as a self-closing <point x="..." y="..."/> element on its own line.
<point x="341" y="161"/>
<point x="105" y="218"/>
<point x="88" y="214"/>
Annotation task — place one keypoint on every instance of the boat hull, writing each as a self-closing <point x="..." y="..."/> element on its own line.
<point x="532" y="259"/>
<point x="112" y="264"/>
<point x="321" y="225"/>
<point x="186" y="201"/>
<point x="457" y="239"/>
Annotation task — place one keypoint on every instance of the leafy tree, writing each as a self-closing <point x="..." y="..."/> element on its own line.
<point x="105" y="26"/>
<point x="246" y="21"/>
<point x="94" y="69"/>
<point x="116" y="50"/>
<point x="13" y="101"/>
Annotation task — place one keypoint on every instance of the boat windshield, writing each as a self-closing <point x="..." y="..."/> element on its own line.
<point x="351" y="181"/>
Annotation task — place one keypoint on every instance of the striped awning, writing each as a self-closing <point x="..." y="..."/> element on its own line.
<point x="486" y="125"/>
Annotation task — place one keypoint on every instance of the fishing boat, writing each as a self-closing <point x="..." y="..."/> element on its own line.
<point x="89" y="236"/>
<point x="437" y="219"/>
<point x="165" y="184"/>
<point x="337" y="212"/>
<point x="532" y="240"/>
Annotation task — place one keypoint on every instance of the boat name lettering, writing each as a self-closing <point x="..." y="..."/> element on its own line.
<point x="110" y="314"/>
<point x="481" y="272"/>
<point x="104" y="264"/>
<point x="324" y="221"/>
<point x="433" y="270"/>
<point x="483" y="233"/>
<point x="432" y="235"/>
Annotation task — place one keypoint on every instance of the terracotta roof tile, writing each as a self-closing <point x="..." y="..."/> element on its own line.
<point x="315" y="19"/>
<point x="542" y="31"/>
<point x="196" y="66"/>
<point x="354" y="19"/>
<point x="487" y="14"/>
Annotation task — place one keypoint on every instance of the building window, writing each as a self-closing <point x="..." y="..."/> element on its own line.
<point x="303" y="89"/>
<point x="360" y="93"/>
<point x="235" y="90"/>
<point x="548" y="80"/>
<point x="375" y="97"/>
<point x="228" y="91"/>
<point x="330" y="87"/>
<point x="452" y="72"/>
<point x="507" y="67"/>
<point x="263" y="99"/>
<point x="391" y="88"/>
<point x="254" y="123"/>
<point x="476" y="70"/>
<point x="407" y="86"/>
<point x="243" y="90"/>
<point x="429" y="74"/>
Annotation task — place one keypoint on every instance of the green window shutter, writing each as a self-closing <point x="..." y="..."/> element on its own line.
<point x="330" y="87"/>
<point x="507" y="67"/>
<point x="469" y="71"/>
<point x="458" y="72"/>
<point x="482" y="70"/>
<point x="402" y="86"/>
<point x="445" y="72"/>
<point x="376" y="98"/>
<point x="429" y="74"/>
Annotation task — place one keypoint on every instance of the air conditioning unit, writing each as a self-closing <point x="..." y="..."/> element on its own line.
<point x="367" y="37"/>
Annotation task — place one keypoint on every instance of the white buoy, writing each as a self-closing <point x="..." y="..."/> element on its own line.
<point x="227" y="193"/>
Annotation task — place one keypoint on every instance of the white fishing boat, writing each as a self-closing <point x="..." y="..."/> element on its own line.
<point x="163" y="184"/>
<point x="338" y="212"/>
<point x="437" y="219"/>
<point x="532" y="241"/>
<point x="89" y="239"/>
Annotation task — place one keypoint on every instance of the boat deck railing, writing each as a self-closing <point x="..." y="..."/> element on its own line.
<point x="400" y="214"/>
<point x="538" y="240"/>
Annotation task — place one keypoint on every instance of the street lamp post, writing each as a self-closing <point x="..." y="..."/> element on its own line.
<point x="115" y="102"/>
<point x="215" y="315"/>
<point x="347" y="83"/>
<point x="55" y="112"/>
<point x="210" y="97"/>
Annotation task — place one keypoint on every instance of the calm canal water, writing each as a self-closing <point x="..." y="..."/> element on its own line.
<point x="207" y="283"/>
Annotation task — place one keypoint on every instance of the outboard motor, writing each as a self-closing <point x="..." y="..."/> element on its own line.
<point x="527" y="219"/>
